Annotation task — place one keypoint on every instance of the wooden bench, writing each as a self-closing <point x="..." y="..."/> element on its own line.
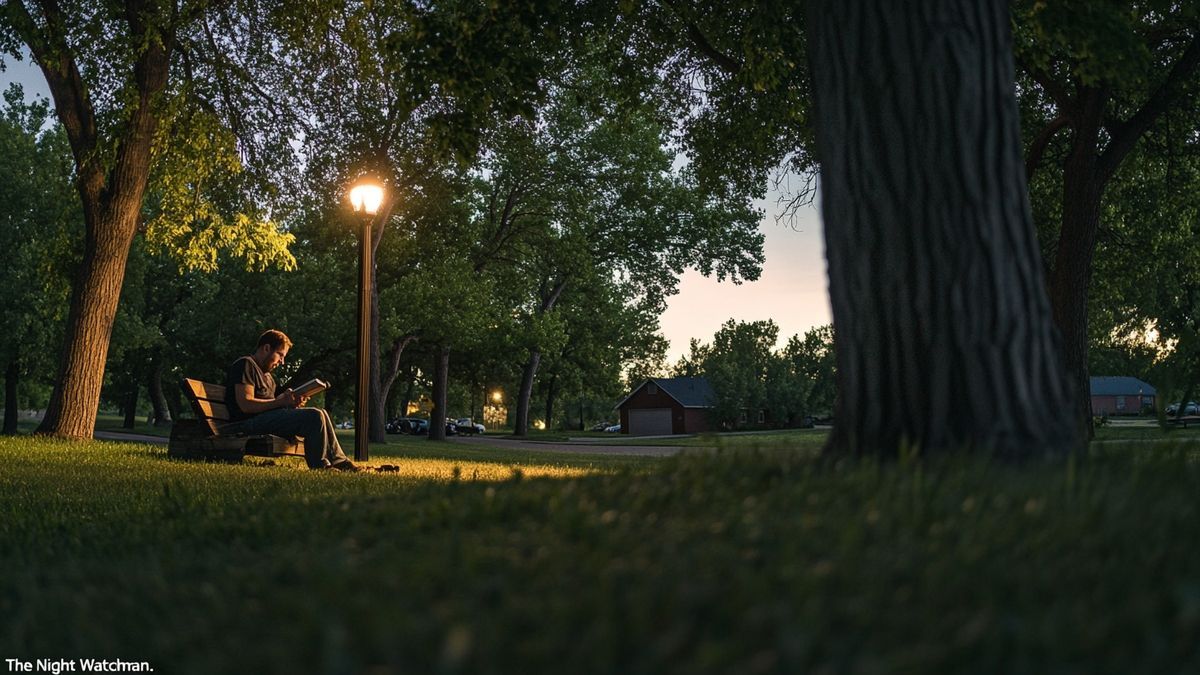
<point x="203" y="438"/>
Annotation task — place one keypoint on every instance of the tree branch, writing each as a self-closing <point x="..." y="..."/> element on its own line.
<point x="71" y="103"/>
<point x="701" y="42"/>
<point x="398" y="348"/>
<point x="314" y="362"/>
<point x="1038" y="147"/>
<point x="150" y="72"/>
<point x="1126" y="135"/>
<point x="1057" y="93"/>
<point x="550" y="300"/>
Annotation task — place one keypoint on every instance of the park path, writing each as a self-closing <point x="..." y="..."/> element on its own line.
<point x="129" y="438"/>
<point x="506" y="442"/>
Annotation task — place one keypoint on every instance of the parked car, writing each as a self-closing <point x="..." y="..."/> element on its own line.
<point x="466" y="426"/>
<point x="408" y="425"/>
<point x="1190" y="408"/>
<point x="346" y="425"/>
<point x="614" y="429"/>
<point x="601" y="426"/>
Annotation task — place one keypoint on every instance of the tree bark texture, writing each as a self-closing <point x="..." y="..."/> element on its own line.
<point x="944" y="334"/>
<point x="1071" y="277"/>
<point x="441" y="372"/>
<point x="71" y="412"/>
<point x="12" y="374"/>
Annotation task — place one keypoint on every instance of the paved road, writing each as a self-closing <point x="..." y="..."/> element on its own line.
<point x="581" y="448"/>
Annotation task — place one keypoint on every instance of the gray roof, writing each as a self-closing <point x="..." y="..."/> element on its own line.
<point x="1110" y="385"/>
<point x="691" y="392"/>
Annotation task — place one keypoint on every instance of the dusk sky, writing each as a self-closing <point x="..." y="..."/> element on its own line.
<point x="792" y="290"/>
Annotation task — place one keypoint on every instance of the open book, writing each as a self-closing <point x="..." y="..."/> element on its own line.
<point x="311" y="388"/>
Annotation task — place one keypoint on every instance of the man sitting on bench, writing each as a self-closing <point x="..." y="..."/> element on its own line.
<point x="256" y="409"/>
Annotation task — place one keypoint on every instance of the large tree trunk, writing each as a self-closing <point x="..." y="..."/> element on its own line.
<point x="528" y="373"/>
<point x="11" y="375"/>
<point x="112" y="200"/>
<point x="71" y="412"/>
<point x="441" y="374"/>
<point x="1071" y="277"/>
<point x="161" y="416"/>
<point x="943" y="326"/>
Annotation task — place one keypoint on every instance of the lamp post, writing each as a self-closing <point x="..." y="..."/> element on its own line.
<point x="365" y="198"/>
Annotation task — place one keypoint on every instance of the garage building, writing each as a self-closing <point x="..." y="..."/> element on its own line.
<point x="1121" y="396"/>
<point x="667" y="405"/>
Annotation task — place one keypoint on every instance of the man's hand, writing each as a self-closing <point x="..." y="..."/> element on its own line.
<point x="302" y="402"/>
<point x="287" y="399"/>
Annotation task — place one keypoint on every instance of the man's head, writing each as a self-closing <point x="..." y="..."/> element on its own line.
<point x="272" y="349"/>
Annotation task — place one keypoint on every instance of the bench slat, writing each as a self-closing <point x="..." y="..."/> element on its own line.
<point x="205" y="408"/>
<point x="204" y="390"/>
<point x="212" y="411"/>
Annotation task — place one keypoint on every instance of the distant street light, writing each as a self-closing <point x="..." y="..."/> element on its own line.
<point x="365" y="198"/>
<point x="496" y="396"/>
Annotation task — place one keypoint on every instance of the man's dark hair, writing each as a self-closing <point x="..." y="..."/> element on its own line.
<point x="275" y="338"/>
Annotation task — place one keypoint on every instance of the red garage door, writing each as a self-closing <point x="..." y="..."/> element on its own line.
<point x="650" y="422"/>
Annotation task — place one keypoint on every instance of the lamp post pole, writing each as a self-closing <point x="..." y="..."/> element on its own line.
<point x="366" y="198"/>
<point x="362" y="417"/>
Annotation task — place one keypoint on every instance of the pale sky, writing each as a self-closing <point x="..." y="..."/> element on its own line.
<point x="792" y="291"/>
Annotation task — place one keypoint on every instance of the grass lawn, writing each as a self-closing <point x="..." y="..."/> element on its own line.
<point x="738" y="561"/>
<point x="114" y="422"/>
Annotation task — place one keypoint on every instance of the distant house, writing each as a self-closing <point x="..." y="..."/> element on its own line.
<point x="1120" y="395"/>
<point x="667" y="405"/>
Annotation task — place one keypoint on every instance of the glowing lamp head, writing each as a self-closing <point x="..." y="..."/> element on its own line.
<point x="496" y="396"/>
<point x="366" y="197"/>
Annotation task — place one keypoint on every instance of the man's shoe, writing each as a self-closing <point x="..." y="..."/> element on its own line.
<point x="345" y="465"/>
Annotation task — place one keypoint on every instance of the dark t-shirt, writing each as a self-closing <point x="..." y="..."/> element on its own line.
<point x="246" y="371"/>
